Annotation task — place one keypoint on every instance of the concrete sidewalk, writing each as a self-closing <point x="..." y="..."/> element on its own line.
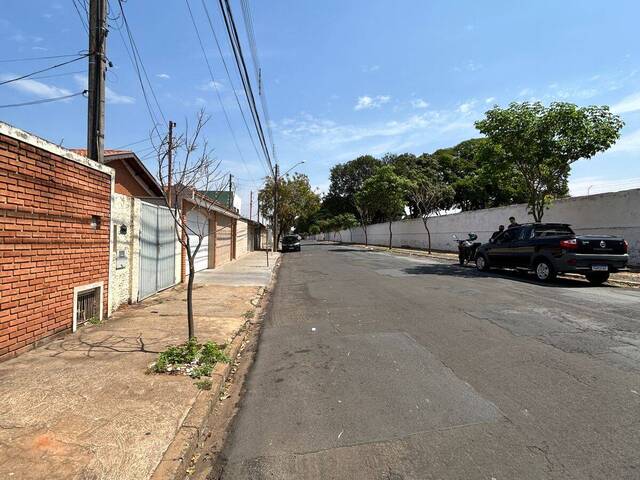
<point x="84" y="406"/>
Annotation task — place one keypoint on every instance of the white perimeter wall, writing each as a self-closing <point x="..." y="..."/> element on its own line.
<point x="615" y="213"/>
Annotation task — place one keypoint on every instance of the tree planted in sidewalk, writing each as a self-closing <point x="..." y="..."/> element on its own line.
<point x="185" y="165"/>
<point x="540" y="143"/>
<point x="385" y="192"/>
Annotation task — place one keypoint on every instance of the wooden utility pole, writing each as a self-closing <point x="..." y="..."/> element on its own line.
<point x="251" y="205"/>
<point x="230" y="192"/>
<point x="275" y="210"/>
<point x="97" y="68"/>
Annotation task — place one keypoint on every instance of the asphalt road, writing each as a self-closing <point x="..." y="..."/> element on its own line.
<point x="374" y="366"/>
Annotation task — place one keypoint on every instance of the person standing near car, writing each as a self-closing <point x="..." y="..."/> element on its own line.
<point x="513" y="223"/>
<point x="496" y="234"/>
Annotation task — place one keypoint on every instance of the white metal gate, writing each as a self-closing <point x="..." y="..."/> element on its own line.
<point x="157" y="249"/>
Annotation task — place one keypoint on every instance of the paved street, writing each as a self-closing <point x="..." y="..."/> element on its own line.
<point x="373" y="366"/>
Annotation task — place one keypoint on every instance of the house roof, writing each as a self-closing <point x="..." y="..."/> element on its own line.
<point x="133" y="162"/>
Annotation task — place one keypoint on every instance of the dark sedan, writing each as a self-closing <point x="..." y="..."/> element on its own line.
<point x="291" y="243"/>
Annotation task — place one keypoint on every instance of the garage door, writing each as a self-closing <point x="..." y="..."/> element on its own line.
<point x="223" y="239"/>
<point x="199" y="225"/>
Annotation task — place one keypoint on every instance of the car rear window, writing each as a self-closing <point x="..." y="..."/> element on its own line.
<point x="552" y="230"/>
<point x="290" y="240"/>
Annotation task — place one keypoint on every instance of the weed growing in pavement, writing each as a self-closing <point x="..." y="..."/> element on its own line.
<point x="94" y="321"/>
<point x="204" y="384"/>
<point x="190" y="358"/>
<point x="248" y="315"/>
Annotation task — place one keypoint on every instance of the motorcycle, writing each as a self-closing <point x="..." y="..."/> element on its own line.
<point x="467" y="248"/>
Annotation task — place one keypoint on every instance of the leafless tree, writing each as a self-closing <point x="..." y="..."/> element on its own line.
<point x="186" y="166"/>
<point x="429" y="195"/>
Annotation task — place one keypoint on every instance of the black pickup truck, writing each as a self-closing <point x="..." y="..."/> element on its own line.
<point x="552" y="248"/>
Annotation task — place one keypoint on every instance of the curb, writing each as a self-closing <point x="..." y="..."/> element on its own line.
<point x="193" y="430"/>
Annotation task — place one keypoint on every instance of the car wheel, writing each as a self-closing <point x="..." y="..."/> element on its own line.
<point x="482" y="264"/>
<point x="597" y="278"/>
<point x="544" y="270"/>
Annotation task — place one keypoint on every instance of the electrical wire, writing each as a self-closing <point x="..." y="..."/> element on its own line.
<point x="248" y="23"/>
<point x="30" y="59"/>
<point x="22" y="77"/>
<point x="233" y="88"/>
<point x="83" y="20"/>
<point x="46" y="100"/>
<point x="242" y="68"/>
<point x="217" y="90"/>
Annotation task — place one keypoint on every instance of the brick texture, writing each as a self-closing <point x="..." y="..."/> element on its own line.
<point x="47" y="243"/>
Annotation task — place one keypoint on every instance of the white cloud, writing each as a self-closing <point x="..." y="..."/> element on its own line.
<point x="366" y="102"/>
<point x="370" y="68"/>
<point x="467" y="106"/>
<point x="627" y="143"/>
<point x="110" y="96"/>
<point x="525" y="92"/>
<point x="211" y="85"/>
<point x="163" y="76"/>
<point x="419" y="103"/>
<point x="630" y="103"/>
<point x="33" y="87"/>
<point x="469" y="66"/>
<point x="490" y="100"/>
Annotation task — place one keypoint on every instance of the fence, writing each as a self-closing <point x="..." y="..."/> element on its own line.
<point x="616" y="213"/>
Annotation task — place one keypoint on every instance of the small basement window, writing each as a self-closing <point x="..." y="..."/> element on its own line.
<point x="87" y="303"/>
<point x="95" y="222"/>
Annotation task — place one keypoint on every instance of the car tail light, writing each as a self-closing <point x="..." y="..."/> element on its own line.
<point x="625" y="246"/>
<point x="571" y="244"/>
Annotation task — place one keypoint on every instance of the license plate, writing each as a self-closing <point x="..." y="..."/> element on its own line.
<point x="600" y="268"/>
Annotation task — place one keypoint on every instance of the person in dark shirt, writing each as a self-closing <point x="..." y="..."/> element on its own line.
<point x="495" y="234"/>
<point x="513" y="223"/>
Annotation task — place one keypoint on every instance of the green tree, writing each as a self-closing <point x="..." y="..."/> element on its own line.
<point x="385" y="192"/>
<point x="295" y="199"/>
<point x="430" y="194"/>
<point x="540" y="143"/>
<point x="346" y="180"/>
<point x="314" y="229"/>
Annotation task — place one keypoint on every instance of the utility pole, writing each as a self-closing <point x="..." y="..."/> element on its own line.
<point x="170" y="162"/>
<point x="97" y="68"/>
<point x="275" y="210"/>
<point x="251" y="205"/>
<point x="230" y="193"/>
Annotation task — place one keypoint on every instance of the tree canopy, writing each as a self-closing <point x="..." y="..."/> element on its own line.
<point x="540" y="143"/>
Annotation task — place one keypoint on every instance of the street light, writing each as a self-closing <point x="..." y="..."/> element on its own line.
<point x="275" y="202"/>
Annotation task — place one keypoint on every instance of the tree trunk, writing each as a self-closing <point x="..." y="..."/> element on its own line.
<point x="366" y="238"/>
<point x="390" y="235"/>
<point x="191" y="326"/>
<point x="426" y="227"/>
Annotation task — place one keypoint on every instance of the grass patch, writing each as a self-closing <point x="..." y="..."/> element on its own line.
<point x="249" y="314"/>
<point x="204" y="384"/>
<point x="190" y="358"/>
<point x="94" y="321"/>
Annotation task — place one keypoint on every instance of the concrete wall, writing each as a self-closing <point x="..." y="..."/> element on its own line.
<point x="616" y="213"/>
<point x="242" y="235"/>
<point x="122" y="208"/>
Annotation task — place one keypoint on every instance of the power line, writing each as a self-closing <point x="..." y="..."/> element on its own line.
<point x="57" y="75"/>
<point x="138" y="64"/>
<point x="231" y="84"/>
<point x="217" y="90"/>
<point x="242" y="68"/>
<point x="46" y="100"/>
<point x="83" y="20"/>
<point x="33" y="59"/>
<point x="248" y="23"/>
<point x="144" y="140"/>
<point x="22" y="77"/>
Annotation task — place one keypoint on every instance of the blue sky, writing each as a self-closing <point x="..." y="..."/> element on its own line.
<point x="343" y="78"/>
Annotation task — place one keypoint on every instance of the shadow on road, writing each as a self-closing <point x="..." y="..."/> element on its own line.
<point x="456" y="270"/>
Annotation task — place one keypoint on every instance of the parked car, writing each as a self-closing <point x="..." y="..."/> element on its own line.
<point x="291" y="243"/>
<point x="551" y="248"/>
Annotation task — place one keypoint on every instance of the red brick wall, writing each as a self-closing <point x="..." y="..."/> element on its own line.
<point x="47" y="244"/>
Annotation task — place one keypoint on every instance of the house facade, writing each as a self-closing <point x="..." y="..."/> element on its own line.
<point x="55" y="210"/>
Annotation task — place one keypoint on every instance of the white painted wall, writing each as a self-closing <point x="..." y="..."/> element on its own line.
<point x="616" y="213"/>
